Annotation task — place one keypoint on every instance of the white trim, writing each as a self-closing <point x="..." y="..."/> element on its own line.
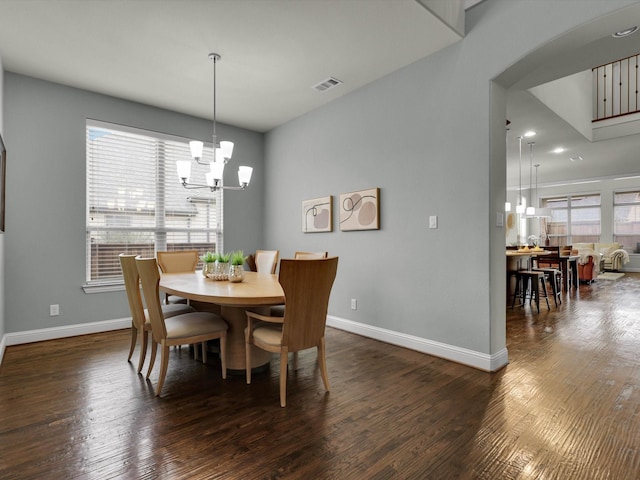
<point x="102" y="288"/>
<point x="481" y="361"/>
<point x="42" y="334"/>
<point x="3" y="345"/>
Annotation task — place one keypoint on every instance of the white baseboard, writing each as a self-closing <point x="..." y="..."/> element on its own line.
<point x="481" y="361"/>
<point x="18" y="338"/>
<point x="3" y="345"/>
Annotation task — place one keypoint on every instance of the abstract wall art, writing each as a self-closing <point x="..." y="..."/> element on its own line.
<point x="360" y="210"/>
<point x="317" y="215"/>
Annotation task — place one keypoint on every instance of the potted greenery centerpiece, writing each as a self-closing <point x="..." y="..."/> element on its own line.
<point x="221" y="268"/>
<point x="208" y="261"/>
<point x="236" y="269"/>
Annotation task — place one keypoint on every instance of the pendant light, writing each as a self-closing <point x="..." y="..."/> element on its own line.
<point x="507" y="205"/>
<point x="221" y="155"/>
<point x="520" y="207"/>
<point x="530" y="209"/>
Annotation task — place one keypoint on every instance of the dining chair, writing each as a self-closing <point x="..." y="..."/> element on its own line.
<point x="266" y="261"/>
<point x="192" y="328"/>
<point x="178" y="261"/>
<point x="307" y="286"/>
<point x="139" y="315"/>
<point x="278" y="310"/>
<point x="251" y="262"/>
<point x="310" y="255"/>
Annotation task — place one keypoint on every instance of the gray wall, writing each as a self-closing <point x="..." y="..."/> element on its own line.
<point x="431" y="136"/>
<point x="45" y="238"/>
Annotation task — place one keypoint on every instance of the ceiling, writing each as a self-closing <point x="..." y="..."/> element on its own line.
<point x="273" y="51"/>
<point x="579" y="50"/>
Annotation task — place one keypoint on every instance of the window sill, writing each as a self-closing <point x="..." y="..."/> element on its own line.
<point x="103" y="287"/>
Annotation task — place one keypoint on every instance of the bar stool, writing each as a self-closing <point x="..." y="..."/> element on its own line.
<point x="512" y="274"/>
<point x="531" y="281"/>
<point x="554" y="276"/>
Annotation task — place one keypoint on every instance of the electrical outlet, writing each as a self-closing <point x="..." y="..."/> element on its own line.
<point x="54" y="310"/>
<point x="354" y="304"/>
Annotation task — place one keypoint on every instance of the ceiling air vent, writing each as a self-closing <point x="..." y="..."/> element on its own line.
<point x="327" y="84"/>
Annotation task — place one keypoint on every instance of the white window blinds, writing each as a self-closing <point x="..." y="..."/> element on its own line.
<point x="135" y="202"/>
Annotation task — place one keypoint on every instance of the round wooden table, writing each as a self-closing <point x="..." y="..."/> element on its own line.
<point x="257" y="292"/>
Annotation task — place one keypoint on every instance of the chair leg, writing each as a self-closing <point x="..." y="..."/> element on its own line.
<point x="544" y="290"/>
<point x="555" y="279"/>
<point x="559" y="281"/>
<point x="134" y="338"/>
<point x="535" y="291"/>
<point x="143" y="349"/>
<point x="152" y="360"/>
<point x="223" y="354"/>
<point x="323" y="364"/>
<point x="554" y="288"/>
<point x="516" y="290"/>
<point x="284" y="361"/>
<point x="204" y="352"/>
<point x="164" y="363"/>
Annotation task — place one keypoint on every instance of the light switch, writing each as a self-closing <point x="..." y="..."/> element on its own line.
<point x="433" y="221"/>
<point x="499" y="219"/>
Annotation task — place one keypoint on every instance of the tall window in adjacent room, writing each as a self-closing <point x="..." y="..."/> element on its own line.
<point x="574" y="219"/>
<point x="135" y="202"/>
<point x="626" y="220"/>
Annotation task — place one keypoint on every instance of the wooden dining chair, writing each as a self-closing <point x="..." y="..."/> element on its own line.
<point x="178" y="261"/>
<point x="266" y="261"/>
<point x="310" y="255"/>
<point x="307" y="286"/>
<point x="139" y="315"/>
<point x="278" y="310"/>
<point x="192" y="328"/>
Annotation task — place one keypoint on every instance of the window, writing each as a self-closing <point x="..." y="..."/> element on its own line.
<point x="626" y="220"/>
<point x="135" y="202"/>
<point x="574" y="219"/>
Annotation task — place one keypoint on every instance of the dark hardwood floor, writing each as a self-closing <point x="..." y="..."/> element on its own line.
<point x="566" y="407"/>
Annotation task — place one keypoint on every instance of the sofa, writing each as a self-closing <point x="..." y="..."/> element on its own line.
<point x="612" y="255"/>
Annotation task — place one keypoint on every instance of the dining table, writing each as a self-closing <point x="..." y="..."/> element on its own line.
<point x="257" y="292"/>
<point x="514" y="257"/>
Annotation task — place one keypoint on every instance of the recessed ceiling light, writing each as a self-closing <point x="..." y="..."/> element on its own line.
<point x="626" y="32"/>
<point x="530" y="133"/>
<point x="559" y="150"/>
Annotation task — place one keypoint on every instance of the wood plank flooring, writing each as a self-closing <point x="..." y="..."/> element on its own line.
<point x="566" y="407"/>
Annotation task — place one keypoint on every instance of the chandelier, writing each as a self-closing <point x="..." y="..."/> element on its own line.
<point x="221" y="155"/>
